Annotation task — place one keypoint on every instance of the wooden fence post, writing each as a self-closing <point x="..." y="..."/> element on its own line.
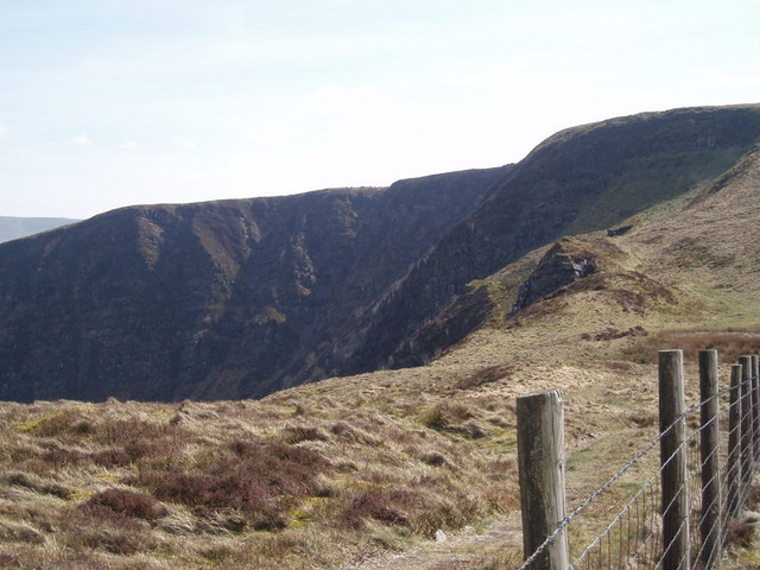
<point x="733" y="464"/>
<point x="755" y="373"/>
<point x="710" y="525"/>
<point x="675" y="500"/>
<point x="540" y="452"/>
<point x="747" y="446"/>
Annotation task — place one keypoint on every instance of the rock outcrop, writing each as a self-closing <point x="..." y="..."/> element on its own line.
<point x="559" y="267"/>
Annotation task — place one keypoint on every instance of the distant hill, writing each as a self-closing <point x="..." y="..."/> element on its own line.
<point x="242" y="298"/>
<point x="14" y="228"/>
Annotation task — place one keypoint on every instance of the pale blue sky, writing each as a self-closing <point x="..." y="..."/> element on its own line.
<point x="110" y="103"/>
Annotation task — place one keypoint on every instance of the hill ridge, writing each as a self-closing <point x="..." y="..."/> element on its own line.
<point x="240" y="298"/>
<point x="209" y="300"/>
<point x="563" y="187"/>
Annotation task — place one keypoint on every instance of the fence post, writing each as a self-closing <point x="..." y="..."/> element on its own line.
<point x="675" y="501"/>
<point x="747" y="446"/>
<point x="755" y="373"/>
<point x="710" y="525"/>
<point x="540" y="453"/>
<point x="733" y="466"/>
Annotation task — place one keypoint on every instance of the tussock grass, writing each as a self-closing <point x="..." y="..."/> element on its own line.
<point x="298" y="480"/>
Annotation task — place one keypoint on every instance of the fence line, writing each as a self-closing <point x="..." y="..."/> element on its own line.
<point x="678" y="516"/>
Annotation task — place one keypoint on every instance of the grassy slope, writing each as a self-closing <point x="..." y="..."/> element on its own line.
<point x="352" y="467"/>
<point x="583" y="179"/>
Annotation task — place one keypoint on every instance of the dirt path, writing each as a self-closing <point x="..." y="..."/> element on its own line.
<point x="466" y="550"/>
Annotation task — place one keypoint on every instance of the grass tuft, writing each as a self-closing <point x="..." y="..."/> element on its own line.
<point x="381" y="506"/>
<point x="126" y="502"/>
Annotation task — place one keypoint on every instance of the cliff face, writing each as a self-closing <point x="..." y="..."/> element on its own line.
<point x="559" y="267"/>
<point x="218" y="300"/>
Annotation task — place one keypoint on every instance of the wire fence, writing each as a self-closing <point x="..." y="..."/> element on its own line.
<point x="716" y="484"/>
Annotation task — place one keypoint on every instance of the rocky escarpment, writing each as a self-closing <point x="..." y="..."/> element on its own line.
<point x="561" y="265"/>
<point x="218" y="300"/>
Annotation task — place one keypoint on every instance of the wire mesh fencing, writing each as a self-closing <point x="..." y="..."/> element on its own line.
<point x="673" y="512"/>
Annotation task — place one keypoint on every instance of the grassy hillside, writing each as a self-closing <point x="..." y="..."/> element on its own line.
<point x="349" y="472"/>
<point x="584" y="179"/>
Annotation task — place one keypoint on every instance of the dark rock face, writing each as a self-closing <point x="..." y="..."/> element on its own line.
<point x="219" y="300"/>
<point x="614" y="232"/>
<point x="557" y="269"/>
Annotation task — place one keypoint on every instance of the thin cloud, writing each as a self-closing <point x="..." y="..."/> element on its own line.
<point x="254" y="138"/>
<point x="82" y="140"/>
<point x="340" y="98"/>
<point x="185" y="143"/>
<point x="4" y="131"/>
<point x="269" y="136"/>
<point x="129" y="145"/>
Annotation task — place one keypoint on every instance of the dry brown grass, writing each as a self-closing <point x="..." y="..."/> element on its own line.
<point x="731" y="344"/>
<point x="301" y="479"/>
<point x="325" y="476"/>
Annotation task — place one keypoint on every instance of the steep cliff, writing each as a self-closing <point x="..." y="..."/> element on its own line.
<point x="216" y="300"/>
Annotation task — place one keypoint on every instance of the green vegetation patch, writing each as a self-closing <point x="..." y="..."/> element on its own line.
<point x="649" y="180"/>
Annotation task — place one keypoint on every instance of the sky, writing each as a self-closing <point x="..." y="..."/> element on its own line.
<point x="109" y="103"/>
